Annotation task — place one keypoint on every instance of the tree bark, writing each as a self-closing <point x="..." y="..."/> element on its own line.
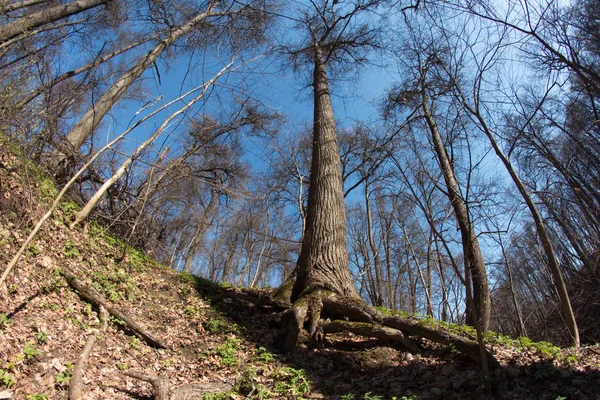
<point x="45" y="16"/>
<point x="323" y="260"/>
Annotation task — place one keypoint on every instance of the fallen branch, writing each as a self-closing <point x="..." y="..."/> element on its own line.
<point x="76" y="384"/>
<point x="89" y="294"/>
<point x="162" y="388"/>
<point x="160" y="384"/>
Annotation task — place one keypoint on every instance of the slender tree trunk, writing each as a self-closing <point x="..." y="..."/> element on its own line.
<point x="85" y="211"/>
<point x="97" y="61"/>
<point x="521" y="323"/>
<point x="474" y="262"/>
<point x="442" y="281"/>
<point x="378" y="289"/>
<point x="323" y="260"/>
<point x="203" y="224"/>
<point x="90" y="120"/>
<point x="46" y="16"/>
<point x="559" y="282"/>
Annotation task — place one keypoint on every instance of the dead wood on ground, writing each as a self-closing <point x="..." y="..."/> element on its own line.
<point x="89" y="294"/>
<point x="76" y="383"/>
<point x="162" y="387"/>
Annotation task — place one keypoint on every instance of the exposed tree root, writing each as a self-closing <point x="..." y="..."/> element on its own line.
<point x="76" y="384"/>
<point x="258" y="297"/>
<point x="372" y="330"/>
<point x="89" y="294"/>
<point x="301" y="322"/>
<point x="162" y="388"/>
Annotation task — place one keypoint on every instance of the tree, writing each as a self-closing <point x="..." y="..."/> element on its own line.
<point x="92" y="117"/>
<point x="333" y="37"/>
<point x="426" y="57"/>
<point x="45" y="16"/>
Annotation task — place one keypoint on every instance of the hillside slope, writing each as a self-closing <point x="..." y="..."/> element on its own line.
<point x="228" y="347"/>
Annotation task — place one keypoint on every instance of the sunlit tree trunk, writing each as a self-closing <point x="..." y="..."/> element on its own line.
<point x="92" y="117"/>
<point x="473" y="258"/>
<point x="323" y="260"/>
<point x="46" y="16"/>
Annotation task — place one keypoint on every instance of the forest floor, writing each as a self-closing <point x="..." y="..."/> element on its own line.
<point x="231" y="346"/>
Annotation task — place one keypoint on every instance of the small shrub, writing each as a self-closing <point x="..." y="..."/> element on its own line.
<point x="3" y="322"/>
<point x="30" y="351"/>
<point x="228" y="352"/>
<point x="63" y="378"/>
<point x="6" y="379"/>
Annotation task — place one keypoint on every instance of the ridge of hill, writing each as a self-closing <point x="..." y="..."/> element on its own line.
<point x="227" y="348"/>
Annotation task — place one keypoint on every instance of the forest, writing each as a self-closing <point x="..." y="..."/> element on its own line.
<point x="358" y="158"/>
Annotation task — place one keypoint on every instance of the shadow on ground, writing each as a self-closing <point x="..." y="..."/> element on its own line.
<point x="352" y="367"/>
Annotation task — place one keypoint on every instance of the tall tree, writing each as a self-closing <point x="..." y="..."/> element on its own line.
<point x="334" y="36"/>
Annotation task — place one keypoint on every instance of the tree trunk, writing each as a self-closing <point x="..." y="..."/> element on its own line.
<point x="323" y="261"/>
<point x="70" y="74"/>
<point x="90" y="120"/>
<point x="46" y="16"/>
<point x="200" y="231"/>
<point x="378" y="288"/>
<point x="557" y="276"/>
<point x="85" y="211"/>
<point x="473" y="257"/>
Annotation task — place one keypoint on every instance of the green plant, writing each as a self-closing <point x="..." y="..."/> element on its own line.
<point x="370" y="396"/>
<point x="30" y="351"/>
<point x="292" y="382"/>
<point x="191" y="311"/>
<point x="228" y="352"/>
<point x="36" y="397"/>
<point x="347" y="397"/>
<point x="6" y="379"/>
<point x="116" y="321"/>
<point x="71" y="250"/>
<point x="64" y="377"/>
<point x="33" y="250"/>
<point x="123" y="366"/>
<point x="3" y="321"/>
<point x="69" y="207"/>
<point x="247" y="385"/>
<point x="41" y="337"/>
<point x="263" y="355"/>
<point x="214" y="325"/>
<point x="134" y="342"/>
<point x="186" y="278"/>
